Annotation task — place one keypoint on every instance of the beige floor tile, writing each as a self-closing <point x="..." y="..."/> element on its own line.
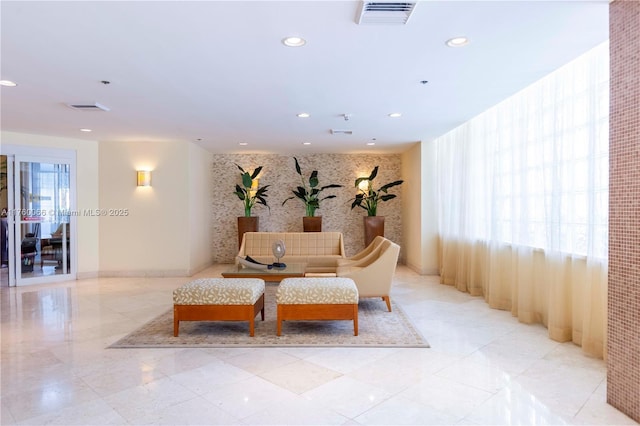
<point x="483" y="367"/>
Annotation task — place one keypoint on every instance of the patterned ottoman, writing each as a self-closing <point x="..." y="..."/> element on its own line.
<point x="219" y="299"/>
<point x="317" y="299"/>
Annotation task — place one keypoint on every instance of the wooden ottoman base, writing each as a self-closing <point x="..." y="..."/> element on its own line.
<point x="311" y="312"/>
<point x="218" y="313"/>
<point x="317" y="298"/>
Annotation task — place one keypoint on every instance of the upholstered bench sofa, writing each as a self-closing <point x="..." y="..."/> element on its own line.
<point x="319" y="250"/>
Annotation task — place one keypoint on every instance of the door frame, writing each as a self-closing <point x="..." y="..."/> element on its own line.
<point x="16" y="153"/>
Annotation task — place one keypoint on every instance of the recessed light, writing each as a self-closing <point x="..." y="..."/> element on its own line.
<point x="457" y="42"/>
<point x="303" y="115"/>
<point x="7" y="83"/>
<point x="395" y="115"/>
<point x="85" y="130"/>
<point x="306" y="143"/>
<point x="294" y="41"/>
<point x="243" y="143"/>
<point x="371" y="143"/>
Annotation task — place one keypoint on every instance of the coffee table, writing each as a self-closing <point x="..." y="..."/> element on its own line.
<point x="293" y="270"/>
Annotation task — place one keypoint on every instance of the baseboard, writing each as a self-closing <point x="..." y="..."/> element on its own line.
<point x="422" y="271"/>
<point x="87" y="275"/>
<point x="197" y="269"/>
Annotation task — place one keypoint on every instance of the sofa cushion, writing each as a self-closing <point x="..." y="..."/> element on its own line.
<point x="296" y="243"/>
<point x="320" y="251"/>
<point x="219" y="291"/>
<point x="321" y="291"/>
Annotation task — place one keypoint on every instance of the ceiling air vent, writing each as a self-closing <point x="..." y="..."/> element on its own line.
<point x="89" y="106"/>
<point x="341" y="132"/>
<point x="385" y="12"/>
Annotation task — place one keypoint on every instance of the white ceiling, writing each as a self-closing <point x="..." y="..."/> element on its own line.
<point x="217" y="70"/>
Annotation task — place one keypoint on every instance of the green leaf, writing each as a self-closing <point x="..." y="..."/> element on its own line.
<point x="246" y="180"/>
<point x="256" y="172"/>
<point x="389" y="185"/>
<point x="333" y="185"/>
<point x="357" y="201"/>
<point x="290" y="198"/>
<point x="241" y="169"/>
<point x="313" y="179"/>
<point x="298" y="166"/>
<point x="373" y="174"/>
<point x="387" y="197"/>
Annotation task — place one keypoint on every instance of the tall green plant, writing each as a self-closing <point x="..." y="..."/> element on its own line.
<point x="368" y="199"/>
<point x="248" y="196"/>
<point x="309" y="192"/>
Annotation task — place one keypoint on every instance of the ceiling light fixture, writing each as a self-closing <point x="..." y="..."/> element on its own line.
<point x="395" y="115"/>
<point x="7" y="83"/>
<point x="294" y="41"/>
<point x="457" y="41"/>
<point x="371" y="143"/>
<point x="303" y="115"/>
<point x="243" y="143"/>
<point x="306" y="143"/>
<point x="85" y="130"/>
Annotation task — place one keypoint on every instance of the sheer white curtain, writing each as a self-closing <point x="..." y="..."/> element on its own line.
<point x="523" y="196"/>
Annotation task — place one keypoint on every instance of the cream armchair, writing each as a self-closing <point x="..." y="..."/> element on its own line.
<point x="364" y="254"/>
<point x="373" y="274"/>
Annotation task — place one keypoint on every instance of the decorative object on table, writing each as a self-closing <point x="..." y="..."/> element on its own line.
<point x="309" y="194"/>
<point x="279" y="250"/>
<point x="250" y="194"/>
<point x="249" y="262"/>
<point x="368" y="199"/>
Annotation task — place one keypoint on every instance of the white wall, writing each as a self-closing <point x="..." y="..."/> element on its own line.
<point x="429" y="210"/>
<point x="153" y="239"/>
<point x="419" y="219"/>
<point x="200" y="204"/>
<point x="86" y="196"/>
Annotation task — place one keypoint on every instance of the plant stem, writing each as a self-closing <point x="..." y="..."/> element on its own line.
<point x="310" y="210"/>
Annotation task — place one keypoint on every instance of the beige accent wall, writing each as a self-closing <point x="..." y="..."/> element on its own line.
<point x="155" y="238"/>
<point x="279" y="172"/>
<point x="86" y="194"/>
<point x="419" y="219"/>
<point x="623" y="332"/>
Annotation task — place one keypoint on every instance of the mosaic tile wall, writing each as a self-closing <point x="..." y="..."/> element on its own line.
<point x="279" y="172"/>
<point x="623" y="360"/>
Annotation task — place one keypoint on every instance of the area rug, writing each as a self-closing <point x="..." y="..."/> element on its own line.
<point x="376" y="328"/>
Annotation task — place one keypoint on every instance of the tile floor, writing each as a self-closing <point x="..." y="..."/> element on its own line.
<point x="483" y="367"/>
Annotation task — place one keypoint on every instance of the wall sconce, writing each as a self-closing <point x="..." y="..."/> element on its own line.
<point x="144" y="178"/>
<point x="363" y="185"/>
<point x="254" y="187"/>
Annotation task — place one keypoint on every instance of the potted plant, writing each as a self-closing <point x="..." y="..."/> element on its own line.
<point x="250" y="195"/>
<point x="368" y="199"/>
<point x="309" y="193"/>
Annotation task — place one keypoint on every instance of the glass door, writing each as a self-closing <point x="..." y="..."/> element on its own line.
<point x="43" y="221"/>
